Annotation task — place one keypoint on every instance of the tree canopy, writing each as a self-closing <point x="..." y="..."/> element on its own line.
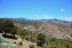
<point x="7" y="26"/>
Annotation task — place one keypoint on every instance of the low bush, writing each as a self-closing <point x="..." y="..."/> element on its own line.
<point x="32" y="46"/>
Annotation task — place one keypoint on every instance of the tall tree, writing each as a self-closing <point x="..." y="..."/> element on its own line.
<point x="41" y="39"/>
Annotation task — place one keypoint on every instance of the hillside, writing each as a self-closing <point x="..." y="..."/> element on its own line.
<point x="32" y="34"/>
<point x="56" y="30"/>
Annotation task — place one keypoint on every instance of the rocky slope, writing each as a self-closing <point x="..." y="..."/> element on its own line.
<point x="12" y="43"/>
<point x="55" y="30"/>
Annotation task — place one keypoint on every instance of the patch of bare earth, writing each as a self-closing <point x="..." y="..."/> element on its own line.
<point x="22" y="43"/>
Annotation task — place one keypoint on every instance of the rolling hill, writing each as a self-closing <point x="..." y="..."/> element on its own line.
<point x="54" y="28"/>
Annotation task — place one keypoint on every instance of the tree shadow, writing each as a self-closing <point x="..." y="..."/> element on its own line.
<point x="9" y="36"/>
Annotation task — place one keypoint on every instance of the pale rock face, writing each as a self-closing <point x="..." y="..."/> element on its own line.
<point x="29" y="28"/>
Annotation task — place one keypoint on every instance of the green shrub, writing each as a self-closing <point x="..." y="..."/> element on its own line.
<point x="7" y="26"/>
<point x="22" y="32"/>
<point x="41" y="39"/>
<point x="32" y="46"/>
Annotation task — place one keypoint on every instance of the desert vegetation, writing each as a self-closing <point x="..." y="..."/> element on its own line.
<point x="9" y="30"/>
<point x="44" y="41"/>
<point x="7" y="27"/>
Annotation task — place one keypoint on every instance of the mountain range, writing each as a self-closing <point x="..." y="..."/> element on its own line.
<point x="54" y="28"/>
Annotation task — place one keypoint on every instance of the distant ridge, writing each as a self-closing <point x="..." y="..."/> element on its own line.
<point x="54" y="20"/>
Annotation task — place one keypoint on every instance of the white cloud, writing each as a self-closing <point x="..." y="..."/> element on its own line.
<point x="44" y="16"/>
<point x="68" y="18"/>
<point x="62" y="10"/>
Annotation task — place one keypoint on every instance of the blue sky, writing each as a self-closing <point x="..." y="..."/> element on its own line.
<point x="36" y="9"/>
